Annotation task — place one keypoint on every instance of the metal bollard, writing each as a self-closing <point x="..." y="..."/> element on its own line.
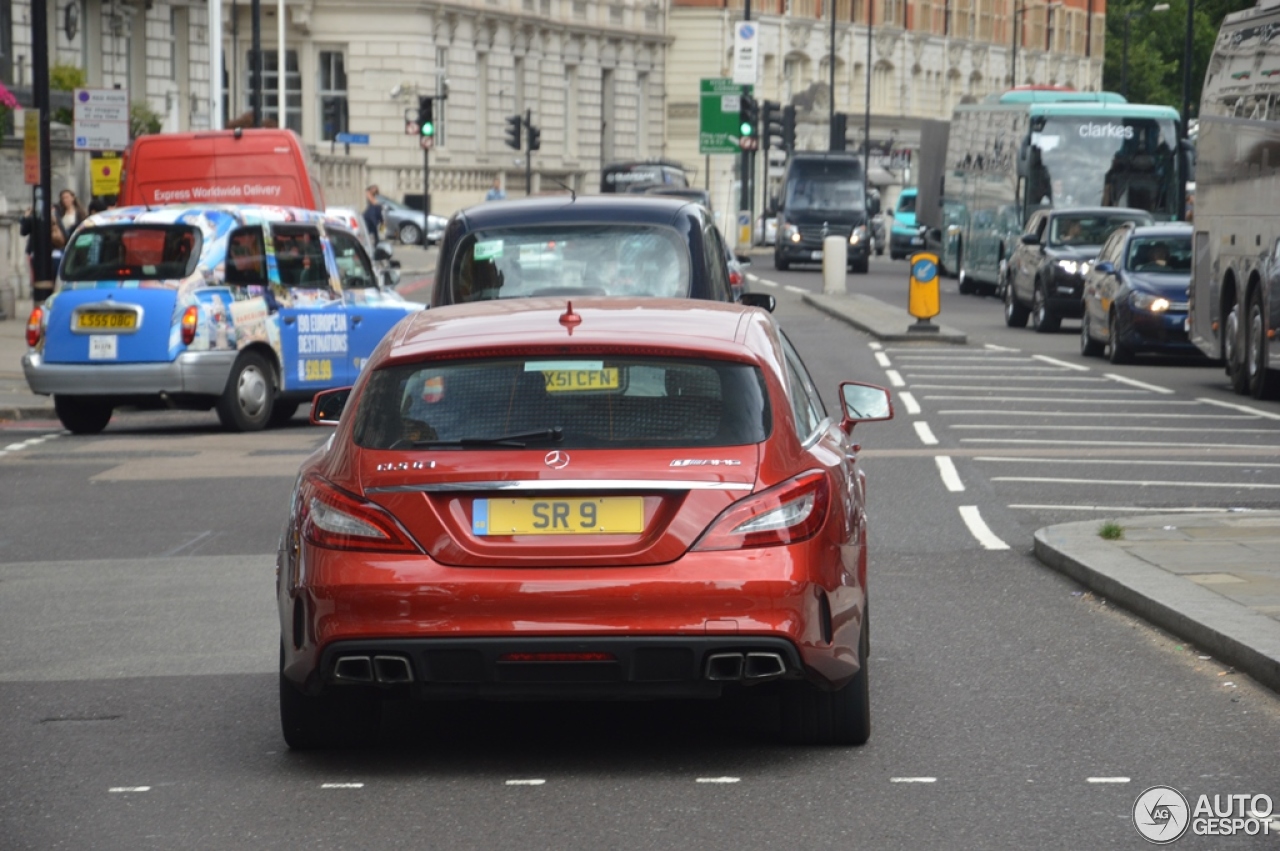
<point x="835" y="265"/>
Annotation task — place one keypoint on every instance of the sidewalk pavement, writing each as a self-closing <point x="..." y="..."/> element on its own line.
<point x="1212" y="579"/>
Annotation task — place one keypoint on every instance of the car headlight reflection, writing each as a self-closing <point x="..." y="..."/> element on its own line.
<point x="858" y="235"/>
<point x="1147" y="301"/>
<point x="1071" y="267"/>
<point x="791" y="232"/>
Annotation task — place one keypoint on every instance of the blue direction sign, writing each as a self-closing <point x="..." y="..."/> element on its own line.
<point x="352" y="138"/>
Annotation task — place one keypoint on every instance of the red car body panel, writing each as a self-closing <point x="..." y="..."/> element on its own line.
<point x="655" y="584"/>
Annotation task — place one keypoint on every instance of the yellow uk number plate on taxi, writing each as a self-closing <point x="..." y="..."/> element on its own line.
<point x="611" y="515"/>
<point x="105" y="320"/>
<point x="577" y="380"/>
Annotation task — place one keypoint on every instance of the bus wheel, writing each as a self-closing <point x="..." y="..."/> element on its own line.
<point x="1234" y="342"/>
<point x="1263" y="382"/>
<point x="966" y="286"/>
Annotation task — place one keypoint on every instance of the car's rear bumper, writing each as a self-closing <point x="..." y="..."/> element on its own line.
<point x="802" y="596"/>
<point x="191" y="373"/>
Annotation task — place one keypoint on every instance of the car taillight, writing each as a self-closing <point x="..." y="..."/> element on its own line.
<point x="337" y="520"/>
<point x="190" y="321"/>
<point x="784" y="514"/>
<point x="35" y="326"/>
<point x="735" y="277"/>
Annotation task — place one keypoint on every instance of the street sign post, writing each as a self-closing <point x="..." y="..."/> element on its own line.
<point x="718" y="116"/>
<point x="746" y="53"/>
<point x="100" y="119"/>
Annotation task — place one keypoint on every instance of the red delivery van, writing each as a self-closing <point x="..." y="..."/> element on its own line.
<point x="257" y="166"/>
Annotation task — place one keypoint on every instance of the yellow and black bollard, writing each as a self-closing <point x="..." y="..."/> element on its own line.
<point x="923" y="300"/>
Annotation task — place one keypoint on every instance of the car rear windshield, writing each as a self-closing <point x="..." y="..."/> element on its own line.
<point x="571" y="260"/>
<point x="564" y="402"/>
<point x="131" y="253"/>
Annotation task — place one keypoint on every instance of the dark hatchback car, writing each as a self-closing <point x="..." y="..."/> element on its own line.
<point x="1136" y="294"/>
<point x="1044" y="279"/>
<point x="599" y="245"/>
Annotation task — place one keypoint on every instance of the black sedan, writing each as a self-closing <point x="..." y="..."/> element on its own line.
<point x="1044" y="278"/>
<point x="1135" y="296"/>
<point x="575" y="246"/>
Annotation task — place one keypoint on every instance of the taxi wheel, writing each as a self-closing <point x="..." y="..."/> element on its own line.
<point x="282" y="412"/>
<point x="327" y="720"/>
<point x="246" y="403"/>
<point x="811" y="716"/>
<point x="82" y="414"/>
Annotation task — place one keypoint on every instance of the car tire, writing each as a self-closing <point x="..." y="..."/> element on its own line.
<point x="247" y="400"/>
<point x="282" y="412"/>
<point x="780" y="263"/>
<point x="410" y="234"/>
<point x="1089" y="347"/>
<point x="1043" y="319"/>
<point x="1117" y="352"/>
<point x="83" y="414"/>
<point x="1015" y="315"/>
<point x="811" y="716"/>
<point x="1236" y="344"/>
<point x="1263" y="382"/>
<point x="327" y="720"/>
<point x="861" y="267"/>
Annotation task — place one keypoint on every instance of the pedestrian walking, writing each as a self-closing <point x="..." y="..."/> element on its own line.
<point x="66" y="218"/>
<point x="373" y="212"/>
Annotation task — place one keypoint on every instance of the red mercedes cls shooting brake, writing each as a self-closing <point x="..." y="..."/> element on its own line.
<point x="609" y="498"/>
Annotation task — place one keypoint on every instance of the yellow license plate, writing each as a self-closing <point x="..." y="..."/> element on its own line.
<point x="107" y="320"/>
<point x="577" y="380"/>
<point x="612" y="515"/>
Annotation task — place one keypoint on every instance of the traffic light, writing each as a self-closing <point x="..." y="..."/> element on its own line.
<point x="839" y="130"/>
<point x="789" y="128"/>
<point x="748" y="116"/>
<point x="535" y="138"/>
<point x="770" y="124"/>
<point x="513" y="131"/>
<point x="426" y="117"/>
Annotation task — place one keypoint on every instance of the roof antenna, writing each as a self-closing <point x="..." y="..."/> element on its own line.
<point x="573" y="196"/>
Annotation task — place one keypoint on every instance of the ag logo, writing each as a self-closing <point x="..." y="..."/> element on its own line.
<point x="1161" y="815"/>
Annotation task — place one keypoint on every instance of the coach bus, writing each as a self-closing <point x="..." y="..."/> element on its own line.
<point x="1235" y="293"/>
<point x="638" y="176"/>
<point x="1031" y="148"/>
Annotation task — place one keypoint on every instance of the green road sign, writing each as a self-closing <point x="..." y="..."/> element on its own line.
<point x="718" y="119"/>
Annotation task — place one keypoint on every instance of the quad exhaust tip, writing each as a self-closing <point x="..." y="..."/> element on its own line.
<point x="752" y="667"/>
<point x="388" y="670"/>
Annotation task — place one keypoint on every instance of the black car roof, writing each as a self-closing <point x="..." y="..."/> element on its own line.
<point x="631" y="209"/>
<point x="1164" y="229"/>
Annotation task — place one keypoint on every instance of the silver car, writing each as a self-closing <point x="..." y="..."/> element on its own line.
<point x="405" y="223"/>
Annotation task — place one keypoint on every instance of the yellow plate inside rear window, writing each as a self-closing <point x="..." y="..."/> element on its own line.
<point x="578" y="380"/>
<point x="107" y="320"/>
<point x="604" y="515"/>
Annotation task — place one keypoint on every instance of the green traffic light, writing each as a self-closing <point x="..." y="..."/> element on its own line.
<point x="746" y="129"/>
<point x="428" y="128"/>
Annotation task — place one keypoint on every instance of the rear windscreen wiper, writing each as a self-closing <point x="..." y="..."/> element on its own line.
<point x="554" y="435"/>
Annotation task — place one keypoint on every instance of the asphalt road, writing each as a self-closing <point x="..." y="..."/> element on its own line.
<point x="137" y="687"/>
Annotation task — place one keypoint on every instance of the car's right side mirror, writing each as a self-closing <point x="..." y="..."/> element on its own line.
<point x="1106" y="267"/>
<point x="761" y="300"/>
<point x="1030" y="239"/>
<point x="327" y="406"/>
<point x="863" y="403"/>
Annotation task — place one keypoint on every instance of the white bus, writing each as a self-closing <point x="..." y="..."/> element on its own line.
<point x="1031" y="148"/>
<point x="1235" y="297"/>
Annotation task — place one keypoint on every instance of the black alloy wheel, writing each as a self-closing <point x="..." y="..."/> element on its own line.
<point x="327" y="720"/>
<point x="1043" y="319"/>
<point x="1117" y="351"/>
<point x="1015" y="315"/>
<point x="1089" y="347"/>
<point x="811" y="716"/>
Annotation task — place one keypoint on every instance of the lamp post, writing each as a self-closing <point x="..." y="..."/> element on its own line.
<point x="1124" y="53"/>
<point x="866" y="120"/>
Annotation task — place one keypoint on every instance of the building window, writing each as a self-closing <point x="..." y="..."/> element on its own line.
<point x="571" y="112"/>
<point x="518" y="83"/>
<point x="333" y="94"/>
<point x="642" y="115"/>
<point x="270" y="92"/>
<point x="6" y="41"/>
<point x="482" y="102"/>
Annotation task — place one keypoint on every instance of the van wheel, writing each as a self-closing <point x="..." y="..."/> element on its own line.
<point x="82" y="414"/>
<point x="246" y="403"/>
<point x="410" y="234"/>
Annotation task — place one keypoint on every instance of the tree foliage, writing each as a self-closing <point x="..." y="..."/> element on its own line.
<point x="1156" y="41"/>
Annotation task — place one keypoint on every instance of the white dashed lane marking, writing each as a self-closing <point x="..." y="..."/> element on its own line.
<point x="895" y="379"/>
<point x="1142" y="385"/>
<point x="718" y="780"/>
<point x="1107" y="779"/>
<point x="925" y="433"/>
<point x="913" y="780"/>
<point x="883" y="360"/>
<point x="129" y="789"/>
<point x="791" y="288"/>
<point x="1064" y="364"/>
<point x="950" y="476"/>
<point x="1245" y="408"/>
<point x="913" y="407"/>
<point x="533" y="781"/>
<point x="341" y="785"/>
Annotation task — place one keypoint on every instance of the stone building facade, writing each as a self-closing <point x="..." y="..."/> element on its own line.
<point x="926" y="56"/>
